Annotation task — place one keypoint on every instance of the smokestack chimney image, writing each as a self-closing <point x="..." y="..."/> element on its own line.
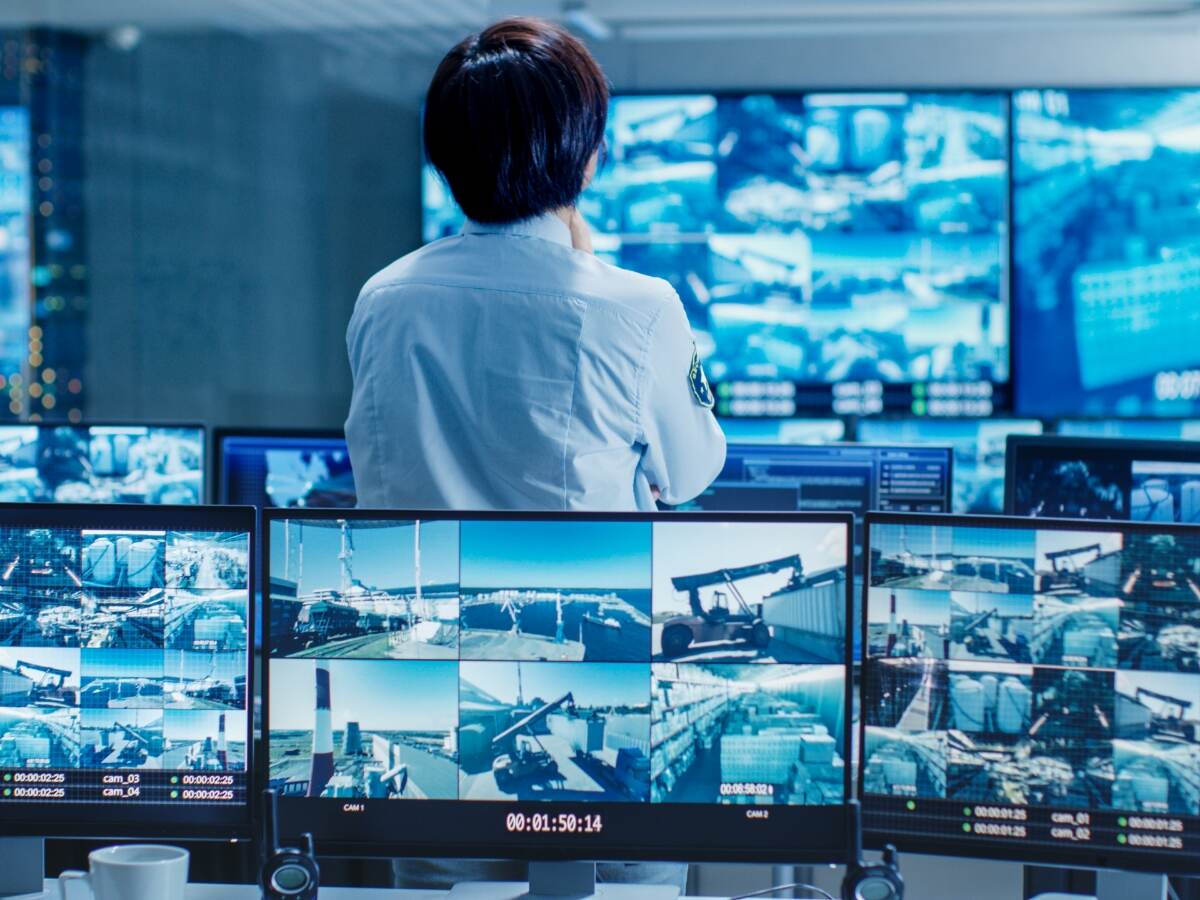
<point x="322" y="755"/>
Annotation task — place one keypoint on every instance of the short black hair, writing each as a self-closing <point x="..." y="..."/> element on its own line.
<point x="513" y="115"/>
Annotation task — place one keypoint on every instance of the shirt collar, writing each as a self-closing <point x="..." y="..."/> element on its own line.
<point x="547" y="227"/>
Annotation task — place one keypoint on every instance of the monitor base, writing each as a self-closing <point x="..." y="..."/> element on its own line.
<point x="22" y="866"/>
<point x="561" y="881"/>
<point x="1130" y="886"/>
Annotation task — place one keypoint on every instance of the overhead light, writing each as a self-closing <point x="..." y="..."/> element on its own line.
<point x="124" y="37"/>
<point x="580" y="19"/>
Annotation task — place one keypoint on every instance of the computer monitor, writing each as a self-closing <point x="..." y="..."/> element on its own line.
<point x="16" y="213"/>
<point x="1031" y="690"/>
<point x="838" y="252"/>
<point x="979" y="446"/>
<point x="1103" y="478"/>
<point x="283" y="467"/>
<point x="102" y="463"/>
<point x="505" y="673"/>
<point x="784" y="431"/>
<point x="124" y="673"/>
<point x="1106" y="280"/>
<point x="1143" y="429"/>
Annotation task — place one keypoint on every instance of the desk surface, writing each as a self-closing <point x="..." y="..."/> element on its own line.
<point x="251" y="892"/>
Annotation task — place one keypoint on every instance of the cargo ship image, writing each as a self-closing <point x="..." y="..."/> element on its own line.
<point x="358" y="620"/>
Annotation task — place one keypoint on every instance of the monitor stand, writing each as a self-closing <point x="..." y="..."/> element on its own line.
<point x="22" y="866"/>
<point x="1130" y="886"/>
<point x="560" y="880"/>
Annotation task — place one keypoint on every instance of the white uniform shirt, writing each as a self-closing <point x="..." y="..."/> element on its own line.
<point x="502" y="369"/>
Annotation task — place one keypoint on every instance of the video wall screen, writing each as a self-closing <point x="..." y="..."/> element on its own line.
<point x="573" y="665"/>
<point x="59" y="463"/>
<point x="1106" y="273"/>
<point x="834" y="252"/>
<point x="1100" y="478"/>
<point x="1031" y="692"/>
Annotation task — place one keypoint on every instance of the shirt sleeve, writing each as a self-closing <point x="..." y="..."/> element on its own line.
<point x="683" y="446"/>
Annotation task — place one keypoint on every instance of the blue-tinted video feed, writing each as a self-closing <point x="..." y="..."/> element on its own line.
<point x="15" y="194"/>
<point x="101" y="464"/>
<point x="814" y="239"/>
<point x="1107" y="274"/>
<point x="285" y="471"/>
<point x="979" y="447"/>
<point x="1027" y="667"/>
<point x="1139" y="429"/>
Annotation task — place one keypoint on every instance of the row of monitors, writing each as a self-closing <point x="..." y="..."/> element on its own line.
<point x="1030" y="689"/>
<point x="901" y="464"/>
<point x="919" y="252"/>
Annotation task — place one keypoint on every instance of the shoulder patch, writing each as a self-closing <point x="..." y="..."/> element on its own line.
<point x="699" y="381"/>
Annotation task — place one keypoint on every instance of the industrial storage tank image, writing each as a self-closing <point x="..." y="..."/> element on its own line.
<point x="1077" y="608"/>
<point x="1160" y="603"/>
<point x="565" y="591"/>
<point x="990" y="755"/>
<point x="554" y="731"/>
<point x="1156" y="751"/>
<point x="903" y="622"/>
<point x="749" y="592"/>
<point x="904" y="764"/>
<point x="101" y="464"/>
<point x="41" y="581"/>
<point x="114" y="560"/>
<point x="375" y="729"/>
<point x="748" y="734"/>
<point x="364" y="589"/>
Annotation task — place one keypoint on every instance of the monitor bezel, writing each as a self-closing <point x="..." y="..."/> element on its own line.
<point x="539" y="847"/>
<point x="1154" y="450"/>
<point x="222" y="432"/>
<point x="206" y="462"/>
<point x="100" y="820"/>
<point x="1180" y="863"/>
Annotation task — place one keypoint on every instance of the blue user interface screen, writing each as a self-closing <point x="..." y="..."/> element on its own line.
<point x="978" y="452"/>
<point x="834" y="252"/>
<point x="1107" y="278"/>
<point x="285" y="471"/>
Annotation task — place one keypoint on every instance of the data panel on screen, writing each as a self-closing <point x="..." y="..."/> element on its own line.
<point x="1098" y="478"/>
<point x="979" y="448"/>
<point x="1107" y="280"/>
<point x="102" y="464"/>
<point x="558" y="666"/>
<point x="1033" y="689"/>
<point x="284" y="469"/>
<point x="124" y="666"/>
<point x="843" y="252"/>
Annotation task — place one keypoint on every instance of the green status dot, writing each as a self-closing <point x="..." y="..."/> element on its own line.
<point x="8" y="792"/>
<point x="174" y="779"/>
<point x="967" y="827"/>
<point x="8" y="776"/>
<point x="966" y="810"/>
<point x="1121" y="839"/>
<point x="911" y="805"/>
<point x="1122" y="821"/>
<point x="174" y="795"/>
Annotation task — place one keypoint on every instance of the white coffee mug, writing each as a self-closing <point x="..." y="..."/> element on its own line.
<point x="132" y="872"/>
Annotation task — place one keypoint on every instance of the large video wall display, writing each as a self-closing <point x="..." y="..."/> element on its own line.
<point x="1107" y="252"/>
<point x="842" y="252"/>
<point x="569" y="661"/>
<point x="1031" y="688"/>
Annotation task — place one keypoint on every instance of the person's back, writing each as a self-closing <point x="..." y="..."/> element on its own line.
<point x="506" y="368"/>
<point x="502" y="369"/>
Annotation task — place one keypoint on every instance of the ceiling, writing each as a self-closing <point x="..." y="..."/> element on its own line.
<point x="622" y="19"/>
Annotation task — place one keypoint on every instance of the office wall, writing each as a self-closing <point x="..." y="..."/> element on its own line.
<point x="240" y="189"/>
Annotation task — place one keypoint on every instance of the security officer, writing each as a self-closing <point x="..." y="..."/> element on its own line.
<point x="507" y="367"/>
